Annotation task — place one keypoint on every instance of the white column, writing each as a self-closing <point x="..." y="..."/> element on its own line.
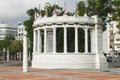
<point x="54" y="40"/>
<point x="7" y="54"/>
<point x="76" y="39"/>
<point x="25" y="53"/>
<point x="65" y="40"/>
<point x="86" y="40"/>
<point x="97" y="66"/>
<point x="92" y="31"/>
<point x="45" y="40"/>
<point x="39" y="41"/>
<point x="34" y="42"/>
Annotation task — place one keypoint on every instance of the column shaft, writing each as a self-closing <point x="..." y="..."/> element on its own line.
<point x="8" y="54"/>
<point x="86" y="40"/>
<point x="39" y="41"/>
<point x="45" y="40"/>
<point x="34" y="42"/>
<point x="76" y="40"/>
<point x="25" y="53"/>
<point x="92" y="41"/>
<point x="54" y="40"/>
<point x="65" y="40"/>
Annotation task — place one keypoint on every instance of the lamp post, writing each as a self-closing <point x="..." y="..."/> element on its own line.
<point x="25" y="53"/>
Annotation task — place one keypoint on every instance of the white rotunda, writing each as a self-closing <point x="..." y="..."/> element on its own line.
<point x="45" y="53"/>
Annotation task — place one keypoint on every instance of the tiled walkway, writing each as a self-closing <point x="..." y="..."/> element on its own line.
<point x="15" y="73"/>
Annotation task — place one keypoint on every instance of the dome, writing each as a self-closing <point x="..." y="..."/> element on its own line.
<point x="21" y="26"/>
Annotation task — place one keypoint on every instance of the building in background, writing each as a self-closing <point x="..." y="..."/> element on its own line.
<point x="111" y="41"/>
<point x="21" y="29"/>
<point x="111" y="38"/>
<point x="114" y="36"/>
<point x="5" y="29"/>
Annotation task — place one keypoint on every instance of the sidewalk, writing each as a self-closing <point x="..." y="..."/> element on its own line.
<point x="15" y="73"/>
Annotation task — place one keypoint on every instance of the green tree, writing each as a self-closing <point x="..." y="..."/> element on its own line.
<point x="1" y="45"/>
<point x="99" y="7"/>
<point x="96" y="7"/>
<point x="116" y="11"/>
<point x="7" y="41"/>
<point x="29" y="27"/>
<point x="81" y="8"/>
<point x="16" y="46"/>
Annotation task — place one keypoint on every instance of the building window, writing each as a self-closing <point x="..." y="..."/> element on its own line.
<point x="19" y="29"/>
<point x="118" y="39"/>
<point x="110" y="46"/>
<point x="19" y="34"/>
<point x="22" y="29"/>
<point x="111" y="25"/>
<point x="118" y="46"/>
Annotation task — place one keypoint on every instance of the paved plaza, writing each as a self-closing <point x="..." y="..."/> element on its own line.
<point x="15" y="73"/>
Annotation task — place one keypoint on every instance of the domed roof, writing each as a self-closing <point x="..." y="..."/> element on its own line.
<point x="21" y="26"/>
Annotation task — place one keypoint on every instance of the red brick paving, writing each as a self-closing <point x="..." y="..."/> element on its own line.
<point x="3" y="70"/>
<point x="26" y="77"/>
<point x="88" y="75"/>
<point x="4" y="75"/>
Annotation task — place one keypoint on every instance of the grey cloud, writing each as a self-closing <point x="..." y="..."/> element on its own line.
<point x="13" y="11"/>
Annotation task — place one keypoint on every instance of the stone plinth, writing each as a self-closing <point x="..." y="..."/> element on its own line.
<point x="71" y="61"/>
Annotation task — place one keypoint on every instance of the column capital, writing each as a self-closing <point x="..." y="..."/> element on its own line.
<point x="54" y="27"/>
<point x="85" y="28"/>
<point x="76" y="27"/>
<point x="65" y="27"/>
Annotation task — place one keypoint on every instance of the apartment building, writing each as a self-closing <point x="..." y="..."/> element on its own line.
<point x="5" y="29"/>
<point x="21" y="29"/>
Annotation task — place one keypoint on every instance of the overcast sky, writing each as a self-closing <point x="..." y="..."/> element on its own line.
<point x="13" y="11"/>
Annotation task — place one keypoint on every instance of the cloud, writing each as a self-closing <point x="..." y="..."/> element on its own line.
<point x="13" y="11"/>
<point x="16" y="6"/>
